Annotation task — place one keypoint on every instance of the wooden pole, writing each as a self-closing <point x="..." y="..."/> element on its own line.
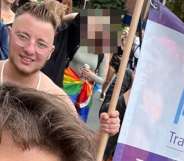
<point x="146" y="10"/>
<point x="120" y="75"/>
<point x="164" y="2"/>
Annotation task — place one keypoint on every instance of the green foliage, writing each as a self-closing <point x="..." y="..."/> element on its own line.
<point x="107" y="4"/>
<point x="176" y="6"/>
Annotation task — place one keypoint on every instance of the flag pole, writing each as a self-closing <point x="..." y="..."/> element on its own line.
<point x="146" y="10"/>
<point x="120" y="75"/>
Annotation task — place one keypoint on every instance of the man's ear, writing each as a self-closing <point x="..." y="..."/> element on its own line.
<point x="9" y="29"/>
<point x="51" y="51"/>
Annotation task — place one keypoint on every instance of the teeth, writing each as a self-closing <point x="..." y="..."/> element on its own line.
<point x="27" y="59"/>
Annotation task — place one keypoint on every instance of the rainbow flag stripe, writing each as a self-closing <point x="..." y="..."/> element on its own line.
<point x="80" y="92"/>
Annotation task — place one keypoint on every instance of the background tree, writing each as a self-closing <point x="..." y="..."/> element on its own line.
<point x="176" y="6"/>
<point x="107" y="4"/>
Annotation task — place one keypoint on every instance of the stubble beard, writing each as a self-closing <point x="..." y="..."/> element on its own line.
<point x="22" y="71"/>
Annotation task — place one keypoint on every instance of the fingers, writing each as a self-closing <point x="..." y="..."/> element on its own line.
<point x="85" y="71"/>
<point x="110" y="123"/>
<point x="88" y="74"/>
<point x="110" y="129"/>
<point x="114" y="114"/>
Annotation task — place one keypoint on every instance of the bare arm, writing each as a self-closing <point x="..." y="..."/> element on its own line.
<point x="69" y="17"/>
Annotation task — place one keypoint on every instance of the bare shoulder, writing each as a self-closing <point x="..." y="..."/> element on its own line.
<point x="1" y="63"/>
<point x="48" y="86"/>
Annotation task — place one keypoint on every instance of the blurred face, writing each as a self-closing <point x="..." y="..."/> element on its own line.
<point x="123" y="38"/>
<point x="30" y="43"/>
<point x="67" y="4"/>
<point x="9" y="151"/>
<point x="98" y="32"/>
<point x="9" y="1"/>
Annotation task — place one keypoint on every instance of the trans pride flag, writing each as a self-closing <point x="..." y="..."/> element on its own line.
<point x="153" y="126"/>
<point x="80" y="92"/>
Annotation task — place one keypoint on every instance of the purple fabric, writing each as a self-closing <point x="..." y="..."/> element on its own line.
<point x="164" y="16"/>
<point x="129" y="153"/>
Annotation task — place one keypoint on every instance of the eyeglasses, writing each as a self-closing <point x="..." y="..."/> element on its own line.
<point x="24" y="40"/>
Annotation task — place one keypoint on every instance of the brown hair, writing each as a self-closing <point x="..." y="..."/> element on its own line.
<point x="40" y="11"/>
<point x="34" y="118"/>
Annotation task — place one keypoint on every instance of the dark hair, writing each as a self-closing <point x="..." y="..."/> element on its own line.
<point x="38" y="119"/>
<point x="40" y="11"/>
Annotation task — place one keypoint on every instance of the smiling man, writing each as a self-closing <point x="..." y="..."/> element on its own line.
<point x="31" y="45"/>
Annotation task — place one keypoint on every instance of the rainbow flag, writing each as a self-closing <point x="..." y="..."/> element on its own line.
<point x="80" y="92"/>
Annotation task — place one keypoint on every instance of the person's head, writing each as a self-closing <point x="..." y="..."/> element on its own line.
<point x="31" y="37"/>
<point x="35" y="126"/>
<point x="99" y="30"/>
<point x="68" y="5"/>
<point x="57" y="8"/>
<point x="124" y="35"/>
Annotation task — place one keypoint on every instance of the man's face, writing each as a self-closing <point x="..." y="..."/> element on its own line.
<point x="9" y="151"/>
<point x="30" y="43"/>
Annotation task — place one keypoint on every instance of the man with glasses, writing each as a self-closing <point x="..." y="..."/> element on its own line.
<point x="31" y="45"/>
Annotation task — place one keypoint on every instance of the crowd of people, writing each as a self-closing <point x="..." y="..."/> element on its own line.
<point x="47" y="82"/>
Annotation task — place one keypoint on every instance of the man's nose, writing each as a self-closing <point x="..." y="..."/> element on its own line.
<point x="30" y="48"/>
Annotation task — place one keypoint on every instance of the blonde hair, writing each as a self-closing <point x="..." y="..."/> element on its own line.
<point x="126" y="29"/>
<point x="39" y="11"/>
<point x="56" y="8"/>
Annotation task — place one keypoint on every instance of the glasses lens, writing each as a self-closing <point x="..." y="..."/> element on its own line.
<point x="24" y="41"/>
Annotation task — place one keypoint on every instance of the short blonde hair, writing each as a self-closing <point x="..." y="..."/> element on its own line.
<point x="39" y="11"/>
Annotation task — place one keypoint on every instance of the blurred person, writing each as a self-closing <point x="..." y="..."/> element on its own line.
<point x="7" y="15"/>
<point x="68" y="5"/>
<point x="121" y="107"/>
<point x="115" y="62"/>
<point x="57" y="8"/>
<point x="87" y="66"/>
<point x="29" y="50"/>
<point x="3" y="41"/>
<point x="34" y="127"/>
<point x="124" y="91"/>
<point x="19" y="3"/>
<point x="66" y="41"/>
<point x="6" y="20"/>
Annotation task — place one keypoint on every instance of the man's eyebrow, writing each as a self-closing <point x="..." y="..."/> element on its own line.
<point x="39" y="40"/>
<point x="43" y="41"/>
<point x="21" y="32"/>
